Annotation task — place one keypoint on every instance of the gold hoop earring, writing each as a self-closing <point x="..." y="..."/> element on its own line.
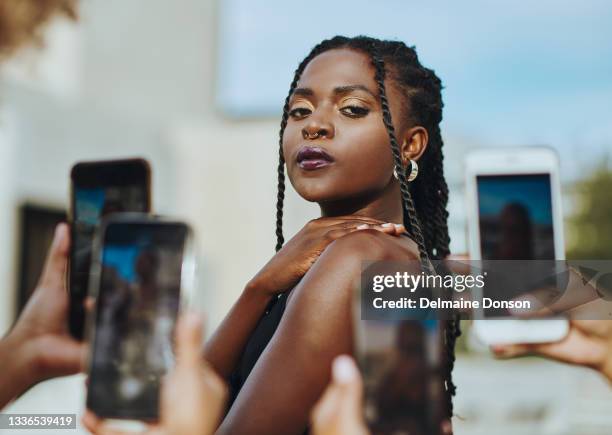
<point x="414" y="171"/>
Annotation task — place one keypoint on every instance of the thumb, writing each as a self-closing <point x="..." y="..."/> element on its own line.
<point x="346" y="377"/>
<point x="339" y="411"/>
<point x="189" y="340"/>
<point x="55" y="266"/>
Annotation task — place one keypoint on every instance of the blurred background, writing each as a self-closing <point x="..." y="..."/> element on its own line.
<point x="197" y="86"/>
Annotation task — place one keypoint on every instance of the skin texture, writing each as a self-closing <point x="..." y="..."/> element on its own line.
<point x="358" y="185"/>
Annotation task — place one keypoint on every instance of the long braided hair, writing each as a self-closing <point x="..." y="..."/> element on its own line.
<point x="424" y="200"/>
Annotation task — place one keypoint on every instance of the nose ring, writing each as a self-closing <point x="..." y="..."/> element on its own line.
<point x="311" y="136"/>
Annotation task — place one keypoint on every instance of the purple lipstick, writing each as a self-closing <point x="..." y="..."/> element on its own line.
<point x="312" y="158"/>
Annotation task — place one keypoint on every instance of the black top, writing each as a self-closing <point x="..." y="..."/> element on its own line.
<point x="258" y="341"/>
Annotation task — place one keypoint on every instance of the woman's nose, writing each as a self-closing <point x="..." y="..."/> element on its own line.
<point x="316" y="129"/>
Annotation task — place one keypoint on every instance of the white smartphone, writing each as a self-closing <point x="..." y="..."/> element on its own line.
<point x="519" y="185"/>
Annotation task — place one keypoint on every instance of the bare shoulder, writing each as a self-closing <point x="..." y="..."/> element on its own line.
<point x="340" y="265"/>
<point x="372" y="245"/>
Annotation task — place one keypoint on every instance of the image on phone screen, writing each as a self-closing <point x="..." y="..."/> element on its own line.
<point x="515" y="217"/>
<point x="516" y="223"/>
<point x="400" y="362"/>
<point x="136" y="309"/>
<point x="99" y="190"/>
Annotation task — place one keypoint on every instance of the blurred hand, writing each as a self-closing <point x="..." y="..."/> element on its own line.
<point x="340" y="409"/>
<point x="193" y="397"/>
<point x="39" y="346"/>
<point x="292" y="262"/>
<point x="588" y="343"/>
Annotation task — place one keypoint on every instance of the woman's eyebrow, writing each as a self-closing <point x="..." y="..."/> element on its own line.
<point x="305" y="92"/>
<point x="340" y="90"/>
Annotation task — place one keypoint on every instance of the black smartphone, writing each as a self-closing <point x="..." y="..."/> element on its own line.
<point x="140" y="275"/>
<point x="401" y="364"/>
<point x="99" y="189"/>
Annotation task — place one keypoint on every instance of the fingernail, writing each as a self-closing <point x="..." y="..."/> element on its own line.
<point x="497" y="348"/>
<point x="58" y="234"/>
<point x="387" y="225"/>
<point x="507" y="351"/>
<point x="499" y="351"/>
<point x="363" y="226"/>
<point x="344" y="370"/>
<point x="400" y="227"/>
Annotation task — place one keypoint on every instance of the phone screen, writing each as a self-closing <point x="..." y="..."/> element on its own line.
<point x="137" y="306"/>
<point x="516" y="223"/>
<point x="99" y="189"/>
<point x="515" y="217"/>
<point x="401" y="365"/>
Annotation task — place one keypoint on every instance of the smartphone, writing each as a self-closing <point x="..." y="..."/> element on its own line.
<point x="401" y="364"/>
<point x="514" y="213"/>
<point x="99" y="189"/>
<point x="142" y="273"/>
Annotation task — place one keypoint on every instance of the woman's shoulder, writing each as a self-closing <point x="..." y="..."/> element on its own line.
<point x="371" y="245"/>
<point x="343" y="260"/>
<point x="341" y="263"/>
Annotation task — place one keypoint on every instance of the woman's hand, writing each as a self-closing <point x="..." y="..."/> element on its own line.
<point x="292" y="262"/>
<point x="39" y="346"/>
<point x="588" y="343"/>
<point x="193" y="397"/>
<point x="224" y="349"/>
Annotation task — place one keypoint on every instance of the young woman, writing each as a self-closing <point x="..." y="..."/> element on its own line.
<point x="360" y="113"/>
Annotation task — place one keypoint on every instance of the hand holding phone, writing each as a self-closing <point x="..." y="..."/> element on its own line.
<point x="514" y="213"/>
<point x="38" y="346"/>
<point x="193" y="396"/>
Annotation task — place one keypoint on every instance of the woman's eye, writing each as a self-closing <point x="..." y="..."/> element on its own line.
<point x="355" y="111"/>
<point x="299" y="112"/>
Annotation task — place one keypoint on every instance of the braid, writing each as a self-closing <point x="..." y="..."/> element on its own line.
<point x="280" y="197"/>
<point x="434" y="213"/>
<point x="424" y="201"/>
<point x="408" y="203"/>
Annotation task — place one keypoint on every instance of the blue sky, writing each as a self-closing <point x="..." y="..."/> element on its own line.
<point x="515" y="73"/>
